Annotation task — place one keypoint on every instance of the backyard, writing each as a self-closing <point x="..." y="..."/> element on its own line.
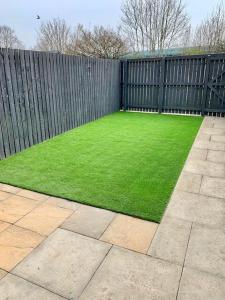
<point x="125" y="162"/>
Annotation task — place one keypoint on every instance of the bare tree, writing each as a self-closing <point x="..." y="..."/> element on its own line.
<point x="100" y="42"/>
<point x="53" y="36"/>
<point x="210" y="34"/>
<point x="153" y="24"/>
<point x="8" y="38"/>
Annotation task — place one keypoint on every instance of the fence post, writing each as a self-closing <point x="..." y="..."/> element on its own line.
<point x="161" y="83"/>
<point x="125" y="94"/>
<point x="206" y="81"/>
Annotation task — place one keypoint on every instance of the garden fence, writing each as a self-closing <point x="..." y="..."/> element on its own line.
<point x="44" y="94"/>
<point x="176" y="84"/>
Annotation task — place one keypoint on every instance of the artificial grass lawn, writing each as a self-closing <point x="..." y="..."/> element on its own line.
<point x="126" y="162"/>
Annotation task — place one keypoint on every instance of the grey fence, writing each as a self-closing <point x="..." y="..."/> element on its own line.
<point x="44" y="94"/>
<point x="182" y="84"/>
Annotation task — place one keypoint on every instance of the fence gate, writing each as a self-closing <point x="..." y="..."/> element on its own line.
<point x="177" y="84"/>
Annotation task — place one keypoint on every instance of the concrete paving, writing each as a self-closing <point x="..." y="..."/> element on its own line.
<point x="51" y="248"/>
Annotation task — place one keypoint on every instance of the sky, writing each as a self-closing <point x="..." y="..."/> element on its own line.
<point x="20" y="14"/>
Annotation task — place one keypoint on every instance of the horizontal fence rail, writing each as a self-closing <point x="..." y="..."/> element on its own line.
<point x="44" y="94"/>
<point x="181" y="84"/>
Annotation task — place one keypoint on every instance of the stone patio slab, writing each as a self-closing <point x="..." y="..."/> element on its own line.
<point x="171" y="239"/>
<point x="203" y="136"/>
<point x="216" y="156"/>
<point x="218" y="138"/>
<point x="2" y="274"/>
<point x="213" y="187"/>
<point x="44" y="219"/>
<point x="130" y="233"/>
<point x="189" y="182"/>
<point x="15" y="244"/>
<point x="90" y="221"/>
<point x="206" y="250"/>
<point x="64" y="262"/>
<point x="15" y="207"/>
<point x="126" y="274"/>
<point x="199" y="285"/>
<point x="196" y="153"/>
<point x="3" y="226"/>
<point x="213" y="131"/>
<point x="209" y="145"/>
<point x="205" y="168"/>
<point x="16" y="288"/>
<point x="4" y="195"/>
<point x="197" y="208"/>
<point x="9" y="188"/>
<point x="33" y="195"/>
<point x="62" y="203"/>
<point x="219" y="123"/>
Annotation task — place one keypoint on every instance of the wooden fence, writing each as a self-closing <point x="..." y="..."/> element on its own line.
<point x="182" y="84"/>
<point x="44" y="94"/>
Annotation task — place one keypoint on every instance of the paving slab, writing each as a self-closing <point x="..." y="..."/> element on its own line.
<point x="206" y="250"/>
<point x="189" y="182"/>
<point x="15" y="244"/>
<point x="33" y="195"/>
<point x="16" y="288"/>
<point x="197" y="208"/>
<point x="196" y="153"/>
<point x="44" y="219"/>
<point x="219" y="123"/>
<point x="2" y="274"/>
<point x="203" y="136"/>
<point x="15" y="207"/>
<point x="9" y="188"/>
<point x="171" y="240"/>
<point x="216" y="156"/>
<point x="63" y="203"/>
<point x="213" y="131"/>
<point x="63" y="263"/>
<point x="197" y="285"/>
<point x="90" y="221"/>
<point x="218" y="138"/>
<point x="130" y="233"/>
<point x="214" y="187"/>
<point x="126" y="274"/>
<point x="4" y="195"/>
<point x="209" y="145"/>
<point x="204" y="167"/>
<point x="4" y="225"/>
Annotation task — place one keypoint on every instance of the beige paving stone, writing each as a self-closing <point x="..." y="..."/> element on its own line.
<point x="218" y="138"/>
<point x="209" y="145"/>
<point x="213" y="131"/>
<point x="64" y="263"/>
<point x="2" y="274"/>
<point x="219" y="123"/>
<point x="196" y="153"/>
<point x="16" y="288"/>
<point x="4" y="195"/>
<point x="214" y="187"/>
<point x="203" y="136"/>
<point x="171" y="239"/>
<point x="205" y="168"/>
<point x="199" y="285"/>
<point x="197" y="208"/>
<point x="33" y="195"/>
<point x="63" y="203"/>
<point x="15" y="244"/>
<point x="15" y="207"/>
<point x="4" y="225"/>
<point x="216" y="156"/>
<point x="206" y="250"/>
<point x="189" y="182"/>
<point x="44" y="219"/>
<point x="9" y="189"/>
<point x="126" y="274"/>
<point x="90" y="221"/>
<point x="131" y="233"/>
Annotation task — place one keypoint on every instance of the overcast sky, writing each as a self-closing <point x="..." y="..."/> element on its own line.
<point x="20" y="14"/>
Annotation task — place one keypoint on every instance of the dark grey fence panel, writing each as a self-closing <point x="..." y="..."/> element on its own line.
<point x="178" y="84"/>
<point x="44" y="94"/>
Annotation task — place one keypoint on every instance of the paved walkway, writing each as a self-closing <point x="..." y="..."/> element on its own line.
<point x="51" y="248"/>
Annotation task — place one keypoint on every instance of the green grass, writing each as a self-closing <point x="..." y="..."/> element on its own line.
<point x="125" y="162"/>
